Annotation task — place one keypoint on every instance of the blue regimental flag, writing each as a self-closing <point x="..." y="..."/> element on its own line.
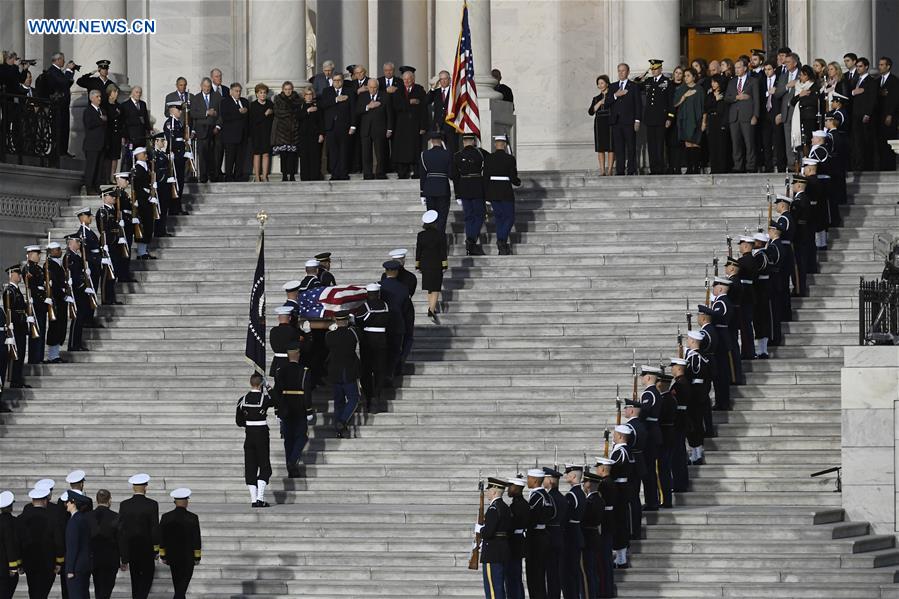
<point x="255" y="352"/>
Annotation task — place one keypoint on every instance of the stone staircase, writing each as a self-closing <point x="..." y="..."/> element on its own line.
<point x="499" y="385"/>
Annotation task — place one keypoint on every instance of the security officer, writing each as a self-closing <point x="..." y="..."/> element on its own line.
<point x="180" y="546"/>
<point x="37" y="290"/>
<point x="281" y="336"/>
<point x="650" y="409"/>
<point x="15" y="326"/>
<point x="520" y="514"/>
<point x="572" y="534"/>
<point x="251" y="415"/>
<point x="10" y="550"/>
<point x="374" y="321"/>
<point x="41" y="539"/>
<point x="292" y="400"/>
<point x="324" y="269"/>
<point x="658" y="115"/>
<point x="622" y="474"/>
<point x="56" y="329"/>
<point x="500" y="174"/>
<point x="542" y="510"/>
<point x="468" y="183"/>
<point x="555" y="564"/>
<point x="110" y="233"/>
<point x="495" y="539"/>
<point x="436" y="170"/>
<point x="721" y="313"/>
<point x="342" y="343"/>
<point x="78" y="290"/>
<point x="139" y="538"/>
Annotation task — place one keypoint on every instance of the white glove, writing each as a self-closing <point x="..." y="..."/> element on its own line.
<point x="154" y="201"/>
<point x="106" y="248"/>
<point x="135" y="221"/>
<point x="478" y="528"/>
<point x="123" y="241"/>
<point x="155" y="186"/>
<point x="424" y="202"/>
<point x="69" y="282"/>
<point x="30" y="320"/>
<point x="310" y="417"/>
<point x="487" y="202"/>
<point x="49" y="301"/>
<point x="352" y="319"/>
<point x="188" y="155"/>
<point x="90" y="292"/>
<point x="333" y="326"/>
<point x="106" y="261"/>
<point x="10" y="341"/>
<point x="70" y="299"/>
<point x="171" y="180"/>
<point x="122" y="223"/>
<point x="459" y="201"/>
<point x="306" y="327"/>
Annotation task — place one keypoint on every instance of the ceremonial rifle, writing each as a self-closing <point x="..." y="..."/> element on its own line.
<point x="70" y="293"/>
<point x="708" y="289"/>
<point x="122" y="242"/>
<point x="188" y="141"/>
<point x="11" y="349"/>
<point x="29" y="306"/>
<point x="617" y="406"/>
<point x="715" y="265"/>
<point x="605" y="449"/>
<point x="475" y="558"/>
<point x="730" y="240"/>
<point x="634" y="373"/>
<point x="88" y="280"/>
<point x="769" y="199"/>
<point x="173" y="174"/>
<point x="689" y="315"/>
<point x="680" y="344"/>
<point x="48" y="286"/>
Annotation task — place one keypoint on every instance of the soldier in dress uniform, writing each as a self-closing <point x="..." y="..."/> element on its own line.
<point x="591" y="523"/>
<point x="804" y="247"/>
<point x="435" y="172"/>
<point x="400" y="310"/>
<point x="572" y="534"/>
<point x="251" y="415"/>
<point x="143" y="202"/>
<point x="495" y="539"/>
<point x="680" y="393"/>
<point x="708" y="346"/>
<point x="163" y="180"/>
<point x="180" y="545"/>
<point x="500" y="174"/>
<point x="98" y="80"/>
<point x="15" y="329"/>
<point x="90" y="245"/>
<point x="56" y="329"/>
<point x="408" y="279"/>
<point x="41" y="543"/>
<point x="373" y="345"/>
<point x="111" y="231"/>
<point x="542" y="510"/>
<point x="126" y="222"/>
<point x="324" y="269"/>
<point x="78" y="559"/>
<point x="788" y="269"/>
<point x="176" y="134"/>
<point x="292" y="397"/>
<point x="73" y="266"/>
<point x="311" y="279"/>
<point x="658" y="115"/>
<point x="520" y="516"/>
<point x="622" y="474"/>
<point x="667" y="448"/>
<point x="10" y="550"/>
<point x="342" y="343"/>
<point x="744" y="283"/>
<point x="779" y="287"/>
<point x="468" y="183"/>
<point x="608" y="491"/>
<point x="292" y="289"/>
<point x="314" y="352"/>
<point x="761" y="309"/>
<point x="721" y="313"/>
<point x="639" y="466"/>
<point x="33" y="274"/>
<point x="281" y="336"/>
<point x="555" y="564"/>
<point x="139" y="536"/>
<point x="650" y="409"/>
<point x="104" y="545"/>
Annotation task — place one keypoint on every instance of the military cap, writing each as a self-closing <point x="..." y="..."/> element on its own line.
<point x="323" y="256"/>
<point x="107" y="190"/>
<point x="74" y="236"/>
<point x="623" y="429"/>
<point x="398" y="253"/>
<point x="140" y="150"/>
<point x="373" y="287"/>
<point x="404" y="69"/>
<point x="655" y="63"/>
<point x="697" y="335"/>
<point x="350" y="68"/>
<point x="159" y="135"/>
<point x="391" y="265"/>
<point x="469" y="136"/>
<point x="103" y="64"/>
<point x="180" y="493"/>
<point x="783" y="198"/>
<point x="14" y="268"/>
<point x="429" y="217"/>
<point x="551" y="472"/>
<point x="763" y="237"/>
<point x="775" y="225"/>
<point x="536" y="473"/>
<point x="655" y="370"/>
<point x="758" y="52"/>
<point x="797" y="178"/>
<point x="435" y="135"/>
<point x="75" y="476"/>
<point x="140" y="478"/>
<point x="678" y="362"/>
<point x="517" y="482"/>
<point x="501" y="138"/>
<point x="312" y="263"/>
<point x="496" y="483"/>
<point x="32" y="248"/>
<point x="342" y="315"/>
<point x="838" y="97"/>
<point x="746" y="239"/>
<point x="39" y="493"/>
<point x="6" y="499"/>
<point x="722" y="280"/>
<point x="53" y="245"/>
<point x="731" y="261"/>
<point x="604" y="462"/>
<point x="632" y="403"/>
<point x="283" y="310"/>
<point x="45" y="483"/>
<point x="83" y="210"/>
<point x="291" y="285"/>
<point x="122" y="175"/>
<point x="593" y="478"/>
<point x="573" y="467"/>
<point x="173" y="104"/>
<point x="819" y="133"/>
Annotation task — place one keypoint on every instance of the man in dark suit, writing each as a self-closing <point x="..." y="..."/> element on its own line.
<point x="440" y="100"/>
<point x="410" y="103"/>
<point x="323" y="80"/>
<point x="337" y="103"/>
<point x="658" y="115"/>
<point x="625" y="111"/>
<point x="180" y="94"/>
<point x="78" y="544"/>
<point x="219" y="88"/>
<point x="139" y="536"/>
<point x="374" y="122"/>
<point x="233" y="131"/>
<point x="104" y="545"/>
<point x="436" y="172"/>
<point x="61" y="76"/>
<point x="887" y="113"/>
<point x="864" y="116"/>
<point x="358" y="84"/>
<point x="99" y="80"/>
<point x="783" y="95"/>
<point x="94" y="121"/>
<point x="137" y="118"/>
<point x="772" y="135"/>
<point x="206" y="114"/>
<point x="743" y="116"/>
<point x="389" y="83"/>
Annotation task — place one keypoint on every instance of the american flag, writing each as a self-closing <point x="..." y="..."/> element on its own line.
<point x="463" y="115"/>
<point x="323" y="302"/>
<point x="255" y="351"/>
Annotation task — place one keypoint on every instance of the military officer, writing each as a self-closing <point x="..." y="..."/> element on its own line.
<point x="104" y="545"/>
<point x="73" y="267"/>
<point x="311" y="280"/>
<point x="111" y="231"/>
<point x="56" y="329"/>
<point x="698" y="372"/>
<point x="146" y="205"/>
<point x="127" y="217"/>
<point x="41" y="539"/>
<point x="180" y="546"/>
<point x="176" y="134"/>
<point x="607" y="490"/>
<point x="542" y="510"/>
<point x="622" y="475"/>
<point x="324" y="269"/>
<point x="292" y="400"/>
<point x="33" y="274"/>
<point x="495" y="539"/>
<point x="676" y="443"/>
<point x="15" y="327"/>
<point x="342" y="343"/>
<point x="281" y="336"/>
<point x="761" y="309"/>
<point x="99" y="81"/>
<point x="572" y="533"/>
<point x="639" y="465"/>
<point x="139" y="536"/>
<point x="721" y="313"/>
<point x="520" y="514"/>
<point x="658" y="115"/>
<point x="10" y="550"/>
<point x="434" y="181"/>
<point x="468" y="183"/>
<point x="90" y="245"/>
<point x="650" y="409"/>
<point x="375" y="322"/>
<point x="591" y="522"/>
<point x="500" y="175"/>
<point x="251" y="415"/>
<point x="555" y="563"/>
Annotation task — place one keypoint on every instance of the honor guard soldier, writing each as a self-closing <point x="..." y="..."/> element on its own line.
<point x="408" y="279"/>
<point x="708" y="347"/>
<point x="495" y="539"/>
<point x="280" y="337"/>
<point x="78" y="557"/>
<point x="15" y="327"/>
<point x="636" y="446"/>
<point x="35" y="281"/>
<point x="292" y="289"/>
<point x="375" y="322"/>
<point x="542" y="510"/>
<point x="780" y="285"/>
<point x="41" y="540"/>
<point x="324" y="269"/>
<point x="680" y="393"/>
<point x="139" y="537"/>
<point x="399" y="307"/>
<point x="698" y="374"/>
<point x="658" y="115"/>
<point x="313" y="349"/>
<point x="175" y="137"/>
<point x="144" y="202"/>
<point x="573" y="535"/>
<point x="111" y="231"/>
<point x="342" y="343"/>
<point x="468" y="171"/>
<point x="804" y="248"/>
<point x="99" y="80"/>
<point x="251" y="415"/>
<point x="164" y="181"/>
<point x="622" y="475"/>
<point x="56" y="329"/>
<point x="761" y="309"/>
<point x="555" y="564"/>
<point x="667" y="415"/>
<point x="721" y="313"/>
<point x="520" y="514"/>
<point x="591" y="522"/>
<point x="787" y="226"/>
<point x="104" y="545"/>
<point x="292" y="399"/>
<point x="90" y="245"/>
<point x="127" y="216"/>
<point x="650" y="409"/>
<point x="435" y="172"/>
<point x="745" y="281"/>
<point x="311" y="280"/>
<point x="609" y="493"/>
<point x="77" y="283"/>
<point x="180" y="546"/>
<point x="773" y="251"/>
<point x="500" y="174"/>
<point x="10" y="550"/>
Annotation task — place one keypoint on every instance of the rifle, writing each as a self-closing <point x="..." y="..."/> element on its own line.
<point x="555" y="457"/>
<point x="106" y="264"/>
<point x="617" y="406"/>
<point x="475" y="558"/>
<point x="88" y="280"/>
<point x="787" y="185"/>
<point x="769" y="199"/>
<point x="708" y="289"/>
<point x="135" y="215"/>
<point x="715" y="265"/>
<point x="634" y="373"/>
<point x="680" y="344"/>
<point x="730" y="240"/>
<point x="48" y="285"/>
<point x="605" y="449"/>
<point x="154" y="197"/>
<point x="188" y="141"/>
<point x="689" y="316"/>
<point x="70" y="293"/>
<point x="29" y="307"/>
<point x="122" y="242"/>
<point x="173" y="174"/>
<point x="11" y="348"/>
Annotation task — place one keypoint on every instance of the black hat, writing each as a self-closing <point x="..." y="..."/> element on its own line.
<point x="496" y="483"/>
<point x="103" y="64"/>
<point x="391" y="265"/>
<point x="655" y="63"/>
<point x="160" y="135"/>
<point x="776" y="225"/>
<point x="14" y="268"/>
<point x="350" y="68"/>
<point x="592" y="477"/>
<point x="74" y="236"/>
<point x="731" y="261"/>
<point x="551" y="472"/>
<point x="573" y="467"/>
<point x="666" y="378"/>
<point x="342" y="315"/>
<point x="323" y="256"/>
<point x="703" y="309"/>
<point x="758" y="52"/>
<point x="469" y="136"/>
<point x="632" y="403"/>
<point x="799" y="178"/>
<point x="435" y="135"/>
<point x="403" y="69"/>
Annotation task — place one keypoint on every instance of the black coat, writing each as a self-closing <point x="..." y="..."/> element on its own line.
<point x="10" y="552"/>
<point x="93" y="82"/>
<point x="105" y="537"/>
<point x="78" y="545"/>
<point x="500" y="164"/>
<point x="430" y="250"/>
<point x="436" y="171"/>
<point x="495" y="534"/>
<point x="657" y="105"/>
<point x="337" y="116"/>
<point x="343" y="355"/>
<point x="439" y="110"/>
<point x="60" y="84"/>
<point x="137" y="121"/>
<point x="888" y="102"/>
<point x="233" y="122"/>
<point x="94" y="129"/>
<point x="138" y="528"/>
<point x="179" y="537"/>
<point x="468" y="173"/>
<point x="310" y="127"/>
<point x="40" y="538"/>
<point x="374" y="122"/>
<point x="626" y="109"/>
<point x="287" y="119"/>
<point x="410" y="119"/>
<point x="865" y="104"/>
<point x="200" y="122"/>
<point x="292" y="395"/>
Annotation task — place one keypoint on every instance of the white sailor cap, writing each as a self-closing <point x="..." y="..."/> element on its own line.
<point x="400" y="253"/>
<point x="45" y="483"/>
<point x="518" y="482"/>
<point x="722" y="281"/>
<point x="645" y="369"/>
<point x="6" y="499"/>
<point x="75" y="476"/>
<point x="140" y="150"/>
<point x="180" y="493"/>
<point x="141" y="478"/>
<point x="695" y="335"/>
<point x="678" y="362"/>
<point x="624" y="429"/>
<point x="746" y="239"/>
<point x="604" y="461"/>
<point x="536" y="473"/>
<point x="763" y="237"/>
<point x="283" y="310"/>
<point x="429" y="217"/>
<point x="122" y="175"/>
<point x="839" y="96"/>
<point x="39" y="493"/>
<point x="171" y="103"/>
<point x="809" y="161"/>
<point x="53" y="245"/>
<point x="373" y="287"/>
<point x="32" y="248"/>
<point x="819" y="133"/>
<point x="312" y="263"/>
<point x="82" y="210"/>
<point x="500" y="138"/>
<point x="291" y="285"/>
<point x="783" y="198"/>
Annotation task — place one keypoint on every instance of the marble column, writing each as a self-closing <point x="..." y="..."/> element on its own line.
<point x="342" y="34"/>
<point x="447" y="19"/>
<point x="840" y="26"/>
<point x="404" y="35"/>
<point x="276" y="42"/>
<point x="652" y="30"/>
<point x="88" y="49"/>
<point x="34" y="44"/>
<point x="12" y="28"/>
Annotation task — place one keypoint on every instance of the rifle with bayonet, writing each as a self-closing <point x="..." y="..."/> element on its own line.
<point x="11" y="349"/>
<point x="88" y="279"/>
<point x="475" y="557"/>
<point x="708" y="288"/>
<point x="48" y="285"/>
<point x="122" y="241"/>
<point x="33" y="329"/>
<point x="70" y="293"/>
<point x="730" y="240"/>
<point x="680" y="344"/>
<point x="188" y="139"/>
<point x="634" y="373"/>
<point x="617" y="406"/>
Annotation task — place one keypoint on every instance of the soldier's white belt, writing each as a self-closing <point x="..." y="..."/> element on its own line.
<point x="721" y="326"/>
<point x="764" y="277"/>
<point x="698" y="381"/>
<point x="280" y="355"/>
<point x="652" y="420"/>
<point x="621" y="480"/>
<point x="291" y="392"/>
<point x="609" y="508"/>
<point x="518" y="531"/>
<point x="746" y="281"/>
<point x="126" y="212"/>
<point x="41" y="287"/>
<point x="436" y="175"/>
<point x="474" y="176"/>
<point x="574" y="521"/>
<point x="95" y="251"/>
<point x="375" y="329"/>
<point x="179" y="139"/>
<point x="539" y="526"/>
<point x="681" y="407"/>
<point x="499" y="178"/>
<point x="256" y="423"/>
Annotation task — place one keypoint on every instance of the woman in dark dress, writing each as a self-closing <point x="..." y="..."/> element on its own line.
<point x="602" y="135"/>
<point x="431" y="260"/>
<point x="809" y="105"/>
<point x="285" y="130"/>
<point x="112" y="150"/>
<point x="689" y="102"/>
<point x="674" y="146"/>
<point x="311" y="137"/>
<point x="262" y="115"/>
<point x="715" y="125"/>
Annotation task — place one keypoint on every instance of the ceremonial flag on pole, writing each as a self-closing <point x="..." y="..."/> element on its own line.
<point x="255" y="352"/>
<point x="463" y="114"/>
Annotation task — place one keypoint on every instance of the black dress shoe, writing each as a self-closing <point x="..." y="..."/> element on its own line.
<point x="433" y="317"/>
<point x="261" y="504"/>
<point x="20" y="386"/>
<point x="56" y="361"/>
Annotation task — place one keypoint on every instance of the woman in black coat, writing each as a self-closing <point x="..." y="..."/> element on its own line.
<point x="810" y="103"/>
<point x="311" y="137"/>
<point x="602" y="135"/>
<point x="715" y="125"/>
<point x="262" y="114"/>
<point x="431" y="260"/>
<point x="115" y="126"/>
<point x="285" y="130"/>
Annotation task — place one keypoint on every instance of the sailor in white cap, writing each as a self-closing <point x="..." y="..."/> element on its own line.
<point x="375" y="322"/>
<point x="500" y="174"/>
<point x="311" y="279"/>
<point x="762" y="319"/>
<point x="650" y="409"/>
<point x="180" y="546"/>
<point x="431" y="260"/>
<point x="40" y="530"/>
<point x="112" y="230"/>
<point x="139" y="518"/>
<point x="592" y="519"/>
<point x="10" y="551"/>
<point x="699" y="374"/>
<point x="252" y="416"/>
<point x="520" y="515"/>
<point x="177" y="137"/>
<point x="33" y="276"/>
<point x="14" y="329"/>
<point x="146" y="204"/>
<point x="721" y="313"/>
<point x="626" y="482"/>
<point x="285" y="332"/>
<point x="542" y="510"/>
<point x="573" y="535"/>
<point x="75" y="479"/>
<point x="434" y="181"/>
<point x="408" y="279"/>
<point x="56" y="329"/>
<point x="90" y="243"/>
